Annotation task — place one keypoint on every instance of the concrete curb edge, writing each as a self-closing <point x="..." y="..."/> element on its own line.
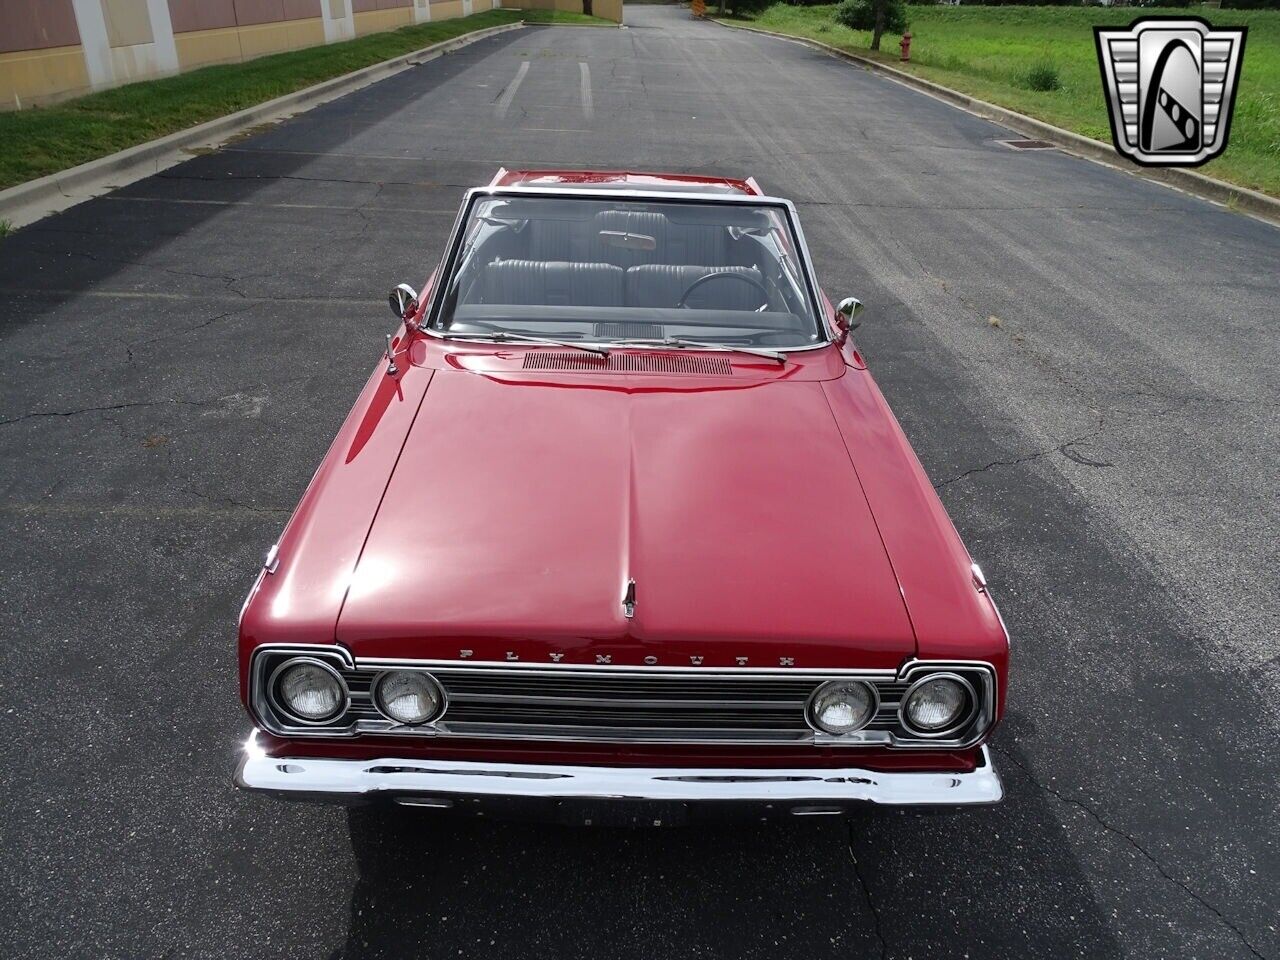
<point x="1241" y="199"/>
<point x="27" y="202"/>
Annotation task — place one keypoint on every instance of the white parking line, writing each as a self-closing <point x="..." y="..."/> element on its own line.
<point x="504" y="101"/>
<point x="588" y="108"/>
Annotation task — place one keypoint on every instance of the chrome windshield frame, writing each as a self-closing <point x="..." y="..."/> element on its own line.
<point x="439" y="290"/>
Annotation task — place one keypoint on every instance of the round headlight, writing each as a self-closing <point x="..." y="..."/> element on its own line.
<point x="936" y="703"/>
<point x="408" y="696"/>
<point x="842" y="706"/>
<point x="310" y="690"/>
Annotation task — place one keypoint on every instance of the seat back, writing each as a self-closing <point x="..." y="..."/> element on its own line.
<point x="662" y="285"/>
<point x="550" y="283"/>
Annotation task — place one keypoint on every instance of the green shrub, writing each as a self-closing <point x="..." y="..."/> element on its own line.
<point x="1043" y="76"/>
<point x="861" y="15"/>
<point x="739" y="7"/>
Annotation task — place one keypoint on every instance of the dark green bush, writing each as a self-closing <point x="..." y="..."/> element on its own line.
<point x="1030" y="3"/>
<point x="861" y="15"/>
<point x="746" y="6"/>
<point x="1043" y="76"/>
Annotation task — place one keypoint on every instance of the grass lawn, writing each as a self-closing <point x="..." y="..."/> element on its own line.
<point x="987" y="52"/>
<point x="41" y="141"/>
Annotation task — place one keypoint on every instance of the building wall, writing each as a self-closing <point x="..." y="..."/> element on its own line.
<point x="54" y="49"/>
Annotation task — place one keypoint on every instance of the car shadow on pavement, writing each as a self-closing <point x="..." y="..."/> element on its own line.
<point x="289" y="194"/>
<point x="995" y="882"/>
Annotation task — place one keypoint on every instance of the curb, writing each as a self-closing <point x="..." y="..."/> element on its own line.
<point x="1240" y="199"/>
<point x="31" y="201"/>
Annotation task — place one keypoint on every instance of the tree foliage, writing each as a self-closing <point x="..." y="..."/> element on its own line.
<point x="861" y="15"/>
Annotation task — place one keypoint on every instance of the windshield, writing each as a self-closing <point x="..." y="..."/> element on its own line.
<point x="620" y="270"/>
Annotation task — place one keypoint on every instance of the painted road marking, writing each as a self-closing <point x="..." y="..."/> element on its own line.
<point x="588" y="108"/>
<point x="504" y="101"/>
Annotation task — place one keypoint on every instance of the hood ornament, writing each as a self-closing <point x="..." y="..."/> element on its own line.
<point x="629" y="600"/>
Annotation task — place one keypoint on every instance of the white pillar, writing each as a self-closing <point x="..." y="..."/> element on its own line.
<point x="162" y="35"/>
<point x="339" y="21"/>
<point x="93" y="38"/>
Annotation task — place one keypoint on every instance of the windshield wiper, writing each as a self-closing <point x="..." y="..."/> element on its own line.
<point x="708" y="345"/>
<point x="501" y="335"/>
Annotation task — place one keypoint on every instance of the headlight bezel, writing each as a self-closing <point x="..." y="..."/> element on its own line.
<point x="810" y="712"/>
<point x="278" y="703"/>
<point x="442" y="699"/>
<point x="963" y="719"/>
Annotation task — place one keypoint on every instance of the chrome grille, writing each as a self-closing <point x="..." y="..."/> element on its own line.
<point x="636" y="704"/>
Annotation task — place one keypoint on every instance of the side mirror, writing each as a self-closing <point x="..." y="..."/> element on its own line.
<point x="851" y="309"/>
<point x="403" y="299"/>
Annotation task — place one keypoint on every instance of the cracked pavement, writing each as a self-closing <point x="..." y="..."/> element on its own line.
<point x="179" y="354"/>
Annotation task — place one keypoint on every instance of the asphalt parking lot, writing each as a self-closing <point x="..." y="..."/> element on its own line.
<point x="178" y="355"/>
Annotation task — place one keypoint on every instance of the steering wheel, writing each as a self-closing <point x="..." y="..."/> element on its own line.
<point x="727" y="274"/>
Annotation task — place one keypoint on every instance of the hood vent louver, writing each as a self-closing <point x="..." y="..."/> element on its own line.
<point x="630" y="363"/>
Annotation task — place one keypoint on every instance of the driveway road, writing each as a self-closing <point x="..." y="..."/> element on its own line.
<point x="178" y="355"/>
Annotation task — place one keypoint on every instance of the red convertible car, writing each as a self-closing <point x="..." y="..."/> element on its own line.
<point x="622" y="528"/>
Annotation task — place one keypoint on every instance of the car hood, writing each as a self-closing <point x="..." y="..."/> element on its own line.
<point x="519" y="510"/>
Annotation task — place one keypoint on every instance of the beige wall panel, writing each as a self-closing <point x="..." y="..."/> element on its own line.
<point x="305" y="33"/>
<point x="263" y="38"/>
<point x="375" y="21"/>
<point x="609" y="9"/>
<point x="128" y="22"/>
<point x="40" y="76"/>
<point x="207" y="47"/>
<point x="446" y="9"/>
<point x="204" y="47"/>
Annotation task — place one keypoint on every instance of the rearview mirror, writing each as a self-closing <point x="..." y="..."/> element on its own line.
<point x="628" y="241"/>
<point x="850" y="308"/>
<point x="403" y="299"/>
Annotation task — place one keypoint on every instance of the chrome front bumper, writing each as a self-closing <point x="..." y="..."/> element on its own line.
<point x="573" y="792"/>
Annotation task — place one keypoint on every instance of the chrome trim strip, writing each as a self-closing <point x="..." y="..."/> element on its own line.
<point x="436" y="782"/>
<point x="588" y="669"/>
